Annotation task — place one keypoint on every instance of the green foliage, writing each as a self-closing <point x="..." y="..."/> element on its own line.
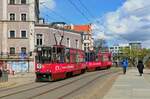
<point x="134" y="55"/>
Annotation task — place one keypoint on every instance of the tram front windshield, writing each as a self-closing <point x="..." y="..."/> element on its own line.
<point x="50" y="55"/>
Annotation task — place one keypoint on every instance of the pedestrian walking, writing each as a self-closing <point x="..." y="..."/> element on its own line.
<point x="124" y="65"/>
<point x="140" y="67"/>
<point x="0" y="75"/>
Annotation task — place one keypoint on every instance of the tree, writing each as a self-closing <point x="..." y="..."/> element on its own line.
<point x="134" y="55"/>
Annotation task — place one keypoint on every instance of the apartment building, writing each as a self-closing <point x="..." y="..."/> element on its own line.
<point x="21" y="32"/>
<point x="117" y="49"/>
<point x="45" y="36"/>
<point x="17" y="21"/>
<point x="88" y="41"/>
<point x="135" y="45"/>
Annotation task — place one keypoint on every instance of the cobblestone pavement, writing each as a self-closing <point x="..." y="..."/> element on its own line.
<point x="18" y="79"/>
<point x="131" y="86"/>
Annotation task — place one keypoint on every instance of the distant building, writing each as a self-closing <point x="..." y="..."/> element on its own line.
<point x="135" y="45"/>
<point x="117" y="49"/>
<point x="88" y="40"/>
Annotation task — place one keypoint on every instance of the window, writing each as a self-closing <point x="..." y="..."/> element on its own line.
<point x="39" y="40"/>
<point x="68" y="42"/>
<point x="77" y="44"/>
<point x="12" y="34"/>
<point x="85" y="49"/>
<point x="67" y="55"/>
<point x="12" y="16"/>
<point x="11" y="1"/>
<point x="12" y="50"/>
<point x="23" y="50"/>
<point x="86" y="37"/>
<point x="23" y="17"/>
<point x="23" y="1"/>
<point x="23" y="34"/>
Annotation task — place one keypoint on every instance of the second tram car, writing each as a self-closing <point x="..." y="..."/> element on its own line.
<point x="98" y="60"/>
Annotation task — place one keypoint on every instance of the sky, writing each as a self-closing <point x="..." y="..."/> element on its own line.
<point x="116" y="21"/>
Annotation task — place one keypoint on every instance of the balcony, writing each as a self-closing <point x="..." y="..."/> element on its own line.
<point x="16" y="56"/>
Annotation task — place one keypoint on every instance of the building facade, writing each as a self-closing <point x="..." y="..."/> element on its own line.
<point x="135" y="45"/>
<point x="21" y="32"/>
<point x="17" y="19"/>
<point x="88" y="41"/>
<point x="117" y="49"/>
<point x="45" y="36"/>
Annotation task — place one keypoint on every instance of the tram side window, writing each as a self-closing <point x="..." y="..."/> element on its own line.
<point x="81" y="57"/>
<point x="72" y="58"/>
<point x="105" y="58"/>
<point x="109" y="57"/>
<point x="46" y="57"/>
<point x="38" y="57"/>
<point x="58" y="55"/>
<point x="90" y="57"/>
<point x="96" y="58"/>
<point x="67" y="56"/>
<point x="86" y="57"/>
<point x="78" y="58"/>
<point x="101" y="58"/>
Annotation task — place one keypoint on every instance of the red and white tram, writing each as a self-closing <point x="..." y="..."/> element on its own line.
<point x="58" y="62"/>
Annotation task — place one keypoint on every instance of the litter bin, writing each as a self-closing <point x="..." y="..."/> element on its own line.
<point x="4" y="76"/>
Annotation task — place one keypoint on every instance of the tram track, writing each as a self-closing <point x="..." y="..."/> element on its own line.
<point x="6" y="89"/>
<point x="56" y="88"/>
<point x="28" y="89"/>
<point x="69" y="93"/>
<point x="53" y="89"/>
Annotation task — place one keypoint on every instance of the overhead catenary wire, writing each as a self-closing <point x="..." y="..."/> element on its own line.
<point x="48" y="16"/>
<point x="78" y="10"/>
<point x="57" y="14"/>
<point x="87" y="10"/>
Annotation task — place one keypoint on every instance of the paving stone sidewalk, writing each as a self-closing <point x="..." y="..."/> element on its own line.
<point x="18" y="79"/>
<point x="131" y="86"/>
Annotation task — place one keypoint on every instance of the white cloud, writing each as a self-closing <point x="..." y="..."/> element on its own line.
<point x="131" y="21"/>
<point x="48" y="3"/>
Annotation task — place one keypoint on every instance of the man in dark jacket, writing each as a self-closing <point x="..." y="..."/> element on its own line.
<point x="140" y="67"/>
<point x="0" y="73"/>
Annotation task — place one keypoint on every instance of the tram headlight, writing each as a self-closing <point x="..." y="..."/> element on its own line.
<point x="39" y="66"/>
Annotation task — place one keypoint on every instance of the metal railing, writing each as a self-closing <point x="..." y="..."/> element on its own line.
<point x="15" y="56"/>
